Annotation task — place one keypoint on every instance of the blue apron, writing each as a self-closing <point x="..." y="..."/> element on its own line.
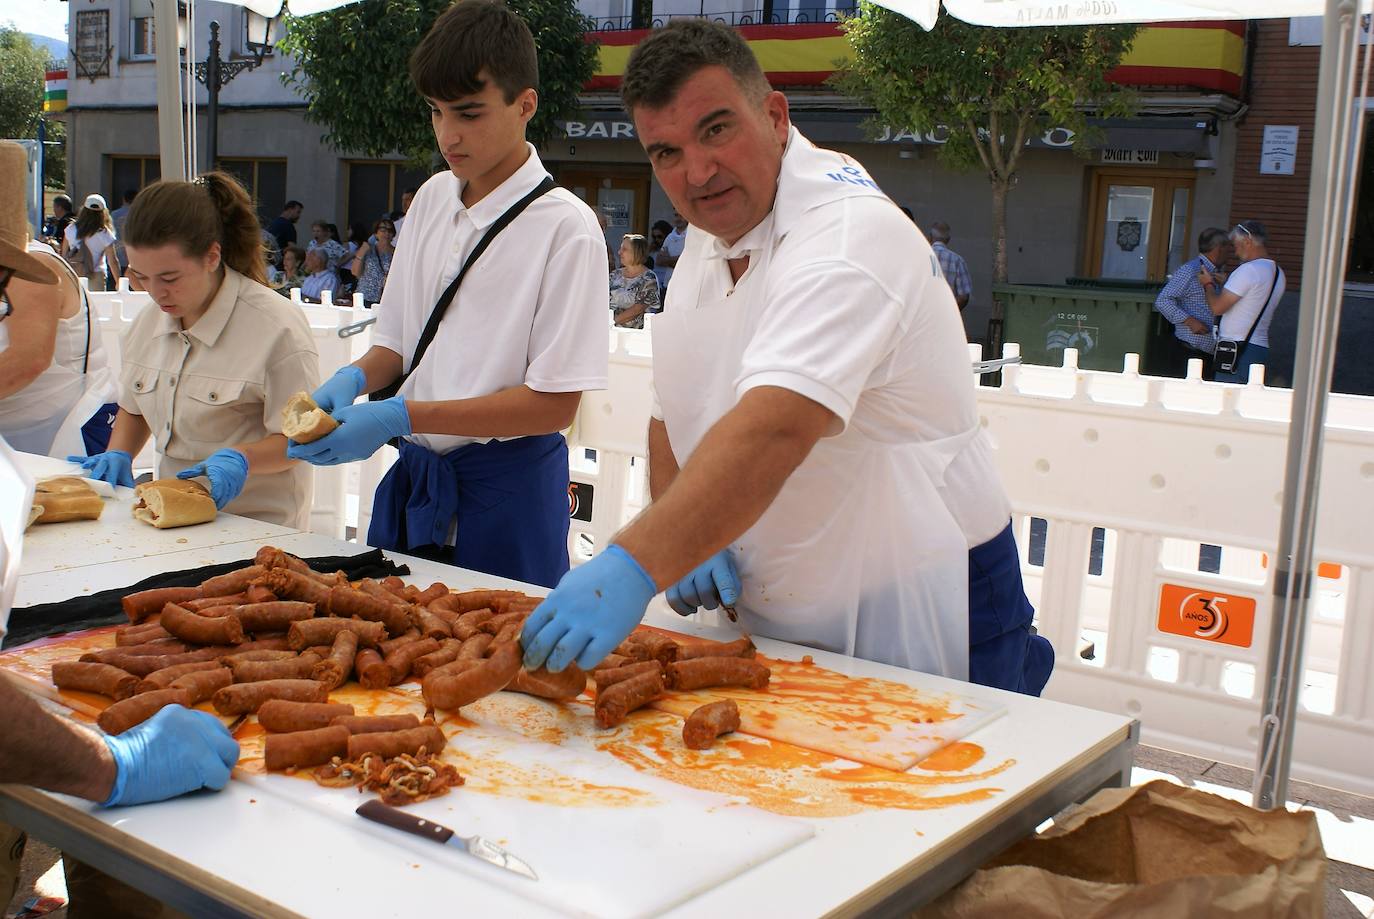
<point x="1003" y="651"/>
<point x="509" y="497"/>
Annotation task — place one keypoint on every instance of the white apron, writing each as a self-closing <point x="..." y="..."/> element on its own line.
<point x="830" y="564"/>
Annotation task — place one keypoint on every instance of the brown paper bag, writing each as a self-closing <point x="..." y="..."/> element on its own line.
<point x="1159" y="850"/>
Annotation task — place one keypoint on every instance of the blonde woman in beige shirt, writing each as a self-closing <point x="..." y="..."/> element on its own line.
<point x="208" y="366"/>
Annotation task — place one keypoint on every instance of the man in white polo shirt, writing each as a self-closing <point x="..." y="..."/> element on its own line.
<point x="482" y="480"/>
<point x="816" y="454"/>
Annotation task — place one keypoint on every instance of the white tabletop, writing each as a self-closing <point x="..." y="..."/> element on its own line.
<point x="264" y="845"/>
<point x="117" y="536"/>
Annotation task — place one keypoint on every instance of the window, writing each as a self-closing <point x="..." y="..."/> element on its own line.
<point x="142" y="43"/>
<point x="1141" y="221"/>
<point x="374" y="189"/>
<point x="1360" y="268"/>
<point x="130" y="173"/>
<point x="265" y="181"/>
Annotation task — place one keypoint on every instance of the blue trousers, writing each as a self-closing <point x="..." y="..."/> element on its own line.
<point x="1003" y="651"/>
<point x="509" y="498"/>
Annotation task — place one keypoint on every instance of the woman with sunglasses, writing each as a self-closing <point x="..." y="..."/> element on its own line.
<point x="55" y="380"/>
<point x="1247" y="303"/>
<point x="372" y="262"/>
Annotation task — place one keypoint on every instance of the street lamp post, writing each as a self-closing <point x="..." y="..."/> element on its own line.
<point x="215" y="73"/>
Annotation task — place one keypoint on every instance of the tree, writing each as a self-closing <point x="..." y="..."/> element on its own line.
<point x="991" y="89"/>
<point x="351" y="71"/>
<point x="22" y="66"/>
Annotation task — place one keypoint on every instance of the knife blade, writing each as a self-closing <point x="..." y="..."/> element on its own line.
<point x="475" y="846"/>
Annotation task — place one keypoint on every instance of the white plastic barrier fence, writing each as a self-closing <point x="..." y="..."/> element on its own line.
<point x="1155" y="469"/>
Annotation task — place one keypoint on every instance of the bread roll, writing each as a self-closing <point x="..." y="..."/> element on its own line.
<point x="66" y="498"/>
<point x="167" y="503"/>
<point x="303" y="421"/>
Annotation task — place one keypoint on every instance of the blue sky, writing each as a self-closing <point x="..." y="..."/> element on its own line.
<point x="41" y="17"/>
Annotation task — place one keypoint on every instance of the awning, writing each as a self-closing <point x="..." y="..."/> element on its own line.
<point x="1167" y="135"/>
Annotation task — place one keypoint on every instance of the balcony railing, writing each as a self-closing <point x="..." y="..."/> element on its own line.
<point x="803" y="15"/>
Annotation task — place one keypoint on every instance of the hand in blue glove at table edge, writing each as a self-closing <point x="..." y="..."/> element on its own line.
<point x="713" y="583"/>
<point x="175" y="751"/>
<point x="592" y="610"/>
<point x="227" y="471"/>
<point x="343" y="388"/>
<point x="113" y="466"/>
<point x="362" y="430"/>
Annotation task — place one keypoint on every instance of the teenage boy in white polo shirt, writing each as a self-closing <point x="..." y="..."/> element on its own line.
<point x="482" y="481"/>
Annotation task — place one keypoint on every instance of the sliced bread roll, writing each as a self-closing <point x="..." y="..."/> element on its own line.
<point x="65" y="498"/>
<point x="303" y="421"/>
<point x="167" y="503"/>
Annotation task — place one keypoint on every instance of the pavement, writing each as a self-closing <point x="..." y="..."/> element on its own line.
<point x="1346" y="822"/>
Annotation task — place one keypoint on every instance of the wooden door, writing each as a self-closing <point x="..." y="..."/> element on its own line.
<point x="1140" y="224"/>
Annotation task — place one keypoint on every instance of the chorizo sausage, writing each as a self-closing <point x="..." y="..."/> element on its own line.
<point x="429" y="624"/>
<point x="337" y="666"/>
<point x="656" y="645"/>
<point x="161" y="679"/>
<point x="375" y="724"/>
<point x="161" y="647"/>
<point x="704" y="647"/>
<point x="101" y="679"/>
<point x="275" y="643"/>
<point x="606" y="678"/>
<point x="371" y="670"/>
<point x="310" y="632"/>
<point x="201" y="630"/>
<point x="431" y="593"/>
<point x="135" y="710"/>
<point x="273" y="616"/>
<point x="400" y="641"/>
<point x="567" y="684"/>
<point x="141" y="665"/>
<point x="475" y="648"/>
<point x="141" y="605"/>
<point x="497" y="623"/>
<point x="304" y="748"/>
<point x="246" y="698"/>
<point x="235" y="582"/>
<point x="295" y="668"/>
<point x="292" y="585"/>
<point x="615" y="703"/>
<point x="470" y="623"/>
<point x="446" y="689"/>
<point x="612" y="662"/>
<point x="285" y="716"/>
<point x="256" y="593"/>
<point x="202" y="603"/>
<point x="705" y="672"/>
<point x="708" y="722"/>
<point x="388" y="744"/>
<point x="374" y="589"/>
<point x="448" y="651"/>
<point x="345" y="601"/>
<point x="401" y="659"/>
<point x="202" y="684"/>
<point x="132" y="635"/>
<point x="258" y="655"/>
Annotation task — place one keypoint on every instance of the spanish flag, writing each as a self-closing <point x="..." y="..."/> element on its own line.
<point x="55" y="91"/>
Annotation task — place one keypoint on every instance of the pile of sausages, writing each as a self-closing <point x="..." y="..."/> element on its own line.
<point x="279" y="636"/>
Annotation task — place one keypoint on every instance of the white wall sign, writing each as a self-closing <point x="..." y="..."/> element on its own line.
<point x="1279" y="150"/>
<point x="1117" y="156"/>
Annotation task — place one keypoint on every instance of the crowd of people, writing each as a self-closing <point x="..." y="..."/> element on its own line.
<point x="815" y="455"/>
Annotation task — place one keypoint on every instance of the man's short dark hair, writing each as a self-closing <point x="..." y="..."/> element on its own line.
<point x="471" y="37"/>
<point x="63" y="202"/>
<point x="129" y="195"/>
<point x="1210" y="238"/>
<point x="663" y="62"/>
<point x="291" y="204"/>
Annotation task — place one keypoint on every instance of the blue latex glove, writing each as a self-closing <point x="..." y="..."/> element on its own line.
<point x="362" y="430"/>
<point x="713" y="583"/>
<point x="175" y="751"/>
<point x="227" y="471"/>
<point x="113" y="466"/>
<point x="341" y="389"/>
<point x="589" y="613"/>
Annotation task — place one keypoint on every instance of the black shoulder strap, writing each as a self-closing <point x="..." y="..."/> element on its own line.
<point x="441" y="307"/>
<point x="1264" y="307"/>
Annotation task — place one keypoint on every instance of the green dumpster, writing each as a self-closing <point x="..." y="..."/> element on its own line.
<point x="1103" y="324"/>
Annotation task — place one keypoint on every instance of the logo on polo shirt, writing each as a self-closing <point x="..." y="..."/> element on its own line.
<point x="853" y="175"/>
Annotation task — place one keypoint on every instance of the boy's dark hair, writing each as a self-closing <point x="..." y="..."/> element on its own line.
<point x="669" y="57"/>
<point x="468" y="38"/>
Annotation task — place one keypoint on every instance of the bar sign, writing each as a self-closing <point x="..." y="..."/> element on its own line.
<point x="1120" y="156"/>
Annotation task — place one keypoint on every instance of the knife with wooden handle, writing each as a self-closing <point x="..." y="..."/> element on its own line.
<point x="475" y="846"/>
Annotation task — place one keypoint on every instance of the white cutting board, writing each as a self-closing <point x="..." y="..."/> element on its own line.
<point x="661" y="845"/>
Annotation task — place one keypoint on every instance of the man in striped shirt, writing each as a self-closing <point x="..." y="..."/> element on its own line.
<point x="952" y="264"/>
<point x="1184" y="303"/>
